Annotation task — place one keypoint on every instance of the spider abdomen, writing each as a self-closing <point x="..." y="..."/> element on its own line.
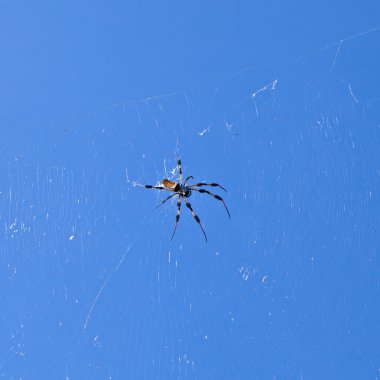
<point x="174" y="186"/>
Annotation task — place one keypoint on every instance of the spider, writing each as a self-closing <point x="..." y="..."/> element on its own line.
<point x="183" y="191"/>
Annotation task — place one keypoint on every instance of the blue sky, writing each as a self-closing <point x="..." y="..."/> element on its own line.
<point x="278" y="102"/>
<point x="87" y="55"/>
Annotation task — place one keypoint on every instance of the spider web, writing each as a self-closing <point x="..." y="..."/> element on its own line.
<point x="99" y="291"/>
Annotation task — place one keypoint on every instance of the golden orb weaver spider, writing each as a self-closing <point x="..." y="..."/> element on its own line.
<point x="183" y="191"/>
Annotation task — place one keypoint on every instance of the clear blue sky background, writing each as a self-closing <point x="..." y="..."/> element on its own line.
<point x="278" y="102"/>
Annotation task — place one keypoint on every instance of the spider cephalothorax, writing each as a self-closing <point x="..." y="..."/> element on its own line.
<point x="183" y="191"/>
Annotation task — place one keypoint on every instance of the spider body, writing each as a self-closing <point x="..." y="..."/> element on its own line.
<point x="183" y="191"/>
<point x="176" y="187"/>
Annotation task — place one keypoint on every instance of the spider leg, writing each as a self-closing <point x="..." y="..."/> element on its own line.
<point x="190" y="176"/>
<point x="155" y="187"/>
<point x="170" y="196"/>
<point x="178" y="214"/>
<point x="179" y="169"/>
<point x="195" y="217"/>
<point x="215" y="196"/>
<point x="207" y="184"/>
